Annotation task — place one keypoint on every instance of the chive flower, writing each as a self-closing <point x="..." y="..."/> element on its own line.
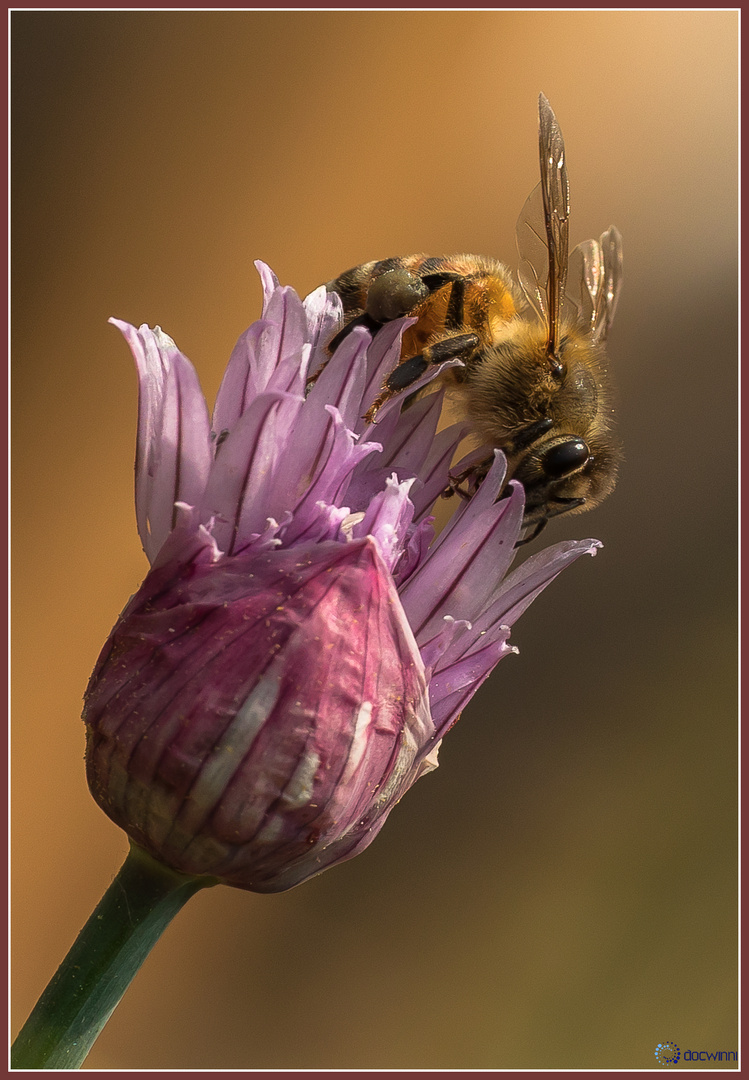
<point x="303" y="640"/>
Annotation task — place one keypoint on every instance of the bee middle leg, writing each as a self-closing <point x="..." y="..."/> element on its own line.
<point x="413" y="367"/>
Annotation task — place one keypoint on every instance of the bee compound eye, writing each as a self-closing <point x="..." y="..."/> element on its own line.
<point x="394" y="293"/>
<point x="565" y="458"/>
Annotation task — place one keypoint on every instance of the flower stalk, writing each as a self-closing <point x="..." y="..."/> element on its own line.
<point x="87" y="987"/>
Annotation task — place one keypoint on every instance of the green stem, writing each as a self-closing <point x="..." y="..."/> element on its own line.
<point x="82" y="995"/>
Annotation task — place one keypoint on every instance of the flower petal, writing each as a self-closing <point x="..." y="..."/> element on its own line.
<point x="416" y="550"/>
<point x="342" y="383"/>
<point x="242" y="492"/>
<point x="434" y="475"/>
<point x="282" y="306"/>
<point x="406" y="441"/>
<point x="268" y="280"/>
<point x="467" y="559"/>
<point x="326" y="456"/>
<point x="324" y="313"/>
<point x="520" y="588"/>
<point x="387" y="519"/>
<point x="466" y="659"/>
<point x="249" y="371"/>
<point x="451" y="689"/>
<point x="173" y="455"/>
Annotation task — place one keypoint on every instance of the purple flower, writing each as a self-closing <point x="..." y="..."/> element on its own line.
<point x="302" y="641"/>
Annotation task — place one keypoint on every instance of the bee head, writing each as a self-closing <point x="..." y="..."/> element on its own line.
<point x="565" y="473"/>
<point x="552" y="419"/>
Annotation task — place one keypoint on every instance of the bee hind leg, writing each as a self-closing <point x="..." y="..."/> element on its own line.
<point x="364" y="319"/>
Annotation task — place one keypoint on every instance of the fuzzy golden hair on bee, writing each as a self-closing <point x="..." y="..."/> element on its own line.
<point x="533" y="379"/>
<point x="512" y="390"/>
<point x="512" y="385"/>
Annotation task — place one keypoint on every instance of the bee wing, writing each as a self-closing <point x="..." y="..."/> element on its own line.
<point x="584" y="279"/>
<point x="594" y="281"/>
<point x="613" y="259"/>
<point x="530" y="236"/>
<point x="543" y="227"/>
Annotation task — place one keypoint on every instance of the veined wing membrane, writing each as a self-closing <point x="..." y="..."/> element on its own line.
<point x="543" y="229"/>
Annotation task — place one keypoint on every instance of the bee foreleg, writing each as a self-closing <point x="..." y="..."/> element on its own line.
<point x="474" y="474"/>
<point x="561" y="506"/>
<point x="455" y="489"/>
<point x="528" y="434"/>
<point x="539" y="527"/>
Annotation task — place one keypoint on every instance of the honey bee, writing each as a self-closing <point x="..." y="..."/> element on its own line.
<point x="533" y="377"/>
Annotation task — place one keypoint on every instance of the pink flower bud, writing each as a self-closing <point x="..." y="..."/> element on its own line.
<point x="256" y="718"/>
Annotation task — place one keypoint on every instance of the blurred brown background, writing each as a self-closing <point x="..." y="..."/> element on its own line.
<point x="562" y="892"/>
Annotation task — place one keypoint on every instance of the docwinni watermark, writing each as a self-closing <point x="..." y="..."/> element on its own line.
<point x="668" y="1053"/>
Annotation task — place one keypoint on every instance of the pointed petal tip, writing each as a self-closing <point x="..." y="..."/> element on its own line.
<point x="508" y="648"/>
<point x="268" y="279"/>
<point x="121" y="324"/>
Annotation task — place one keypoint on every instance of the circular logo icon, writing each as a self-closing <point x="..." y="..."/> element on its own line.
<point x="667" y="1053"/>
